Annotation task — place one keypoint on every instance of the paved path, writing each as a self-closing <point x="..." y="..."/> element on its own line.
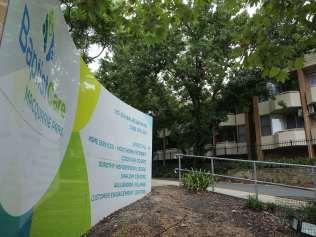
<point x="271" y="190"/>
<point x="163" y="182"/>
<point x="267" y="193"/>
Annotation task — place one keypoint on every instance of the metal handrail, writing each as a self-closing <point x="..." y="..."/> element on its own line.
<point x="254" y="179"/>
<point x="249" y="161"/>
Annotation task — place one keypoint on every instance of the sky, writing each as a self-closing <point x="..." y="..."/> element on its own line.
<point x="93" y="51"/>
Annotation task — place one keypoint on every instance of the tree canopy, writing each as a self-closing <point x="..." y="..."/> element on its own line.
<point x="189" y="63"/>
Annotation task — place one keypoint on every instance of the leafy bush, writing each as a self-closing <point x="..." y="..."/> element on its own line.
<point x="168" y="171"/>
<point x="309" y="212"/>
<point x="197" y="180"/>
<point x="287" y="213"/>
<point x="297" y="160"/>
<point x="254" y="204"/>
<point x="303" y="213"/>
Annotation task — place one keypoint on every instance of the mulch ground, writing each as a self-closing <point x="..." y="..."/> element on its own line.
<point x="174" y="211"/>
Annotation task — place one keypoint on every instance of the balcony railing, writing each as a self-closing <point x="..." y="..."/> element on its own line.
<point x="297" y="134"/>
<point x="289" y="99"/>
<point x="231" y="148"/>
<point x="234" y="120"/>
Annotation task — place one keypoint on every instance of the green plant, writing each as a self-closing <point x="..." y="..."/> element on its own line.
<point x="309" y="212"/>
<point x="254" y="203"/>
<point x="296" y="160"/>
<point x="303" y="213"/>
<point x="270" y="207"/>
<point x="197" y="180"/>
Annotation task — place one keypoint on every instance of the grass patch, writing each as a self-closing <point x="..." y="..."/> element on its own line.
<point x="286" y="213"/>
<point x="197" y="180"/>
<point x="254" y="204"/>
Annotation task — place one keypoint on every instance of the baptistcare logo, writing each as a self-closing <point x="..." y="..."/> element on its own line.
<point x="49" y="35"/>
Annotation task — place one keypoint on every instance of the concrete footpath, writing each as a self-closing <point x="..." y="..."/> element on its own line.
<point x="267" y="193"/>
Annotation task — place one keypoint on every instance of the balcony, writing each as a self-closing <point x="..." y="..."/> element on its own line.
<point x="268" y="142"/>
<point x="231" y="148"/>
<point x="309" y="60"/>
<point x="311" y="95"/>
<point x="291" y="137"/>
<point x="170" y="154"/>
<point x="241" y="119"/>
<point x="230" y="121"/>
<point x="289" y="99"/>
<point x="234" y="120"/>
<point x="288" y="137"/>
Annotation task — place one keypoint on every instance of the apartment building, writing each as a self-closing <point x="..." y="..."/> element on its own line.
<point x="282" y="125"/>
<point x="231" y="136"/>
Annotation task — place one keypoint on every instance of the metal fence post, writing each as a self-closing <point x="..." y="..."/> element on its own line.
<point x="314" y="181"/>
<point x="213" y="178"/>
<point x="179" y="168"/>
<point x="255" y="178"/>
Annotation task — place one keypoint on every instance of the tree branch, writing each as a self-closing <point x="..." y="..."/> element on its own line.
<point x="93" y="58"/>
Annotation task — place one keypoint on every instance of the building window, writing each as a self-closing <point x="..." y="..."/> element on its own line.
<point x="290" y="121"/>
<point x="242" y="133"/>
<point x="312" y="78"/>
<point x="294" y="121"/>
<point x="227" y="134"/>
<point x="266" y="125"/>
<point x="277" y="123"/>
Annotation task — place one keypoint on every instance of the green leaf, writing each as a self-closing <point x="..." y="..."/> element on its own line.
<point x="274" y="72"/>
<point x="299" y="63"/>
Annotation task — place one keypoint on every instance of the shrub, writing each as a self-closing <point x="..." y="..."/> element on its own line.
<point x="303" y="213"/>
<point x="197" y="180"/>
<point x="296" y="160"/>
<point x="254" y="204"/>
<point x="309" y="212"/>
<point x="160" y="171"/>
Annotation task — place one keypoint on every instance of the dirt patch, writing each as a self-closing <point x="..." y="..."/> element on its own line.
<point x="174" y="211"/>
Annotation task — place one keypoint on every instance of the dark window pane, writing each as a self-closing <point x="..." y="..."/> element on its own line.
<point x="290" y="121"/>
<point x="294" y="121"/>
<point x="265" y="125"/>
<point x="312" y="78"/>
<point x="300" y="122"/>
<point x="227" y="134"/>
<point x="242" y="133"/>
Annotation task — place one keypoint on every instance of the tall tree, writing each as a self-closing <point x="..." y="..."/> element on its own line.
<point x="175" y="58"/>
<point x="178" y="60"/>
<point x="134" y="71"/>
<point x="92" y="22"/>
<point x="278" y="35"/>
<point x="197" y="74"/>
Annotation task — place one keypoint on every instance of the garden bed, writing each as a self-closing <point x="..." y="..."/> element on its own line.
<point x="174" y="211"/>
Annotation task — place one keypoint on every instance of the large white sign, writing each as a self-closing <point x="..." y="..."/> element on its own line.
<point x="71" y="152"/>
